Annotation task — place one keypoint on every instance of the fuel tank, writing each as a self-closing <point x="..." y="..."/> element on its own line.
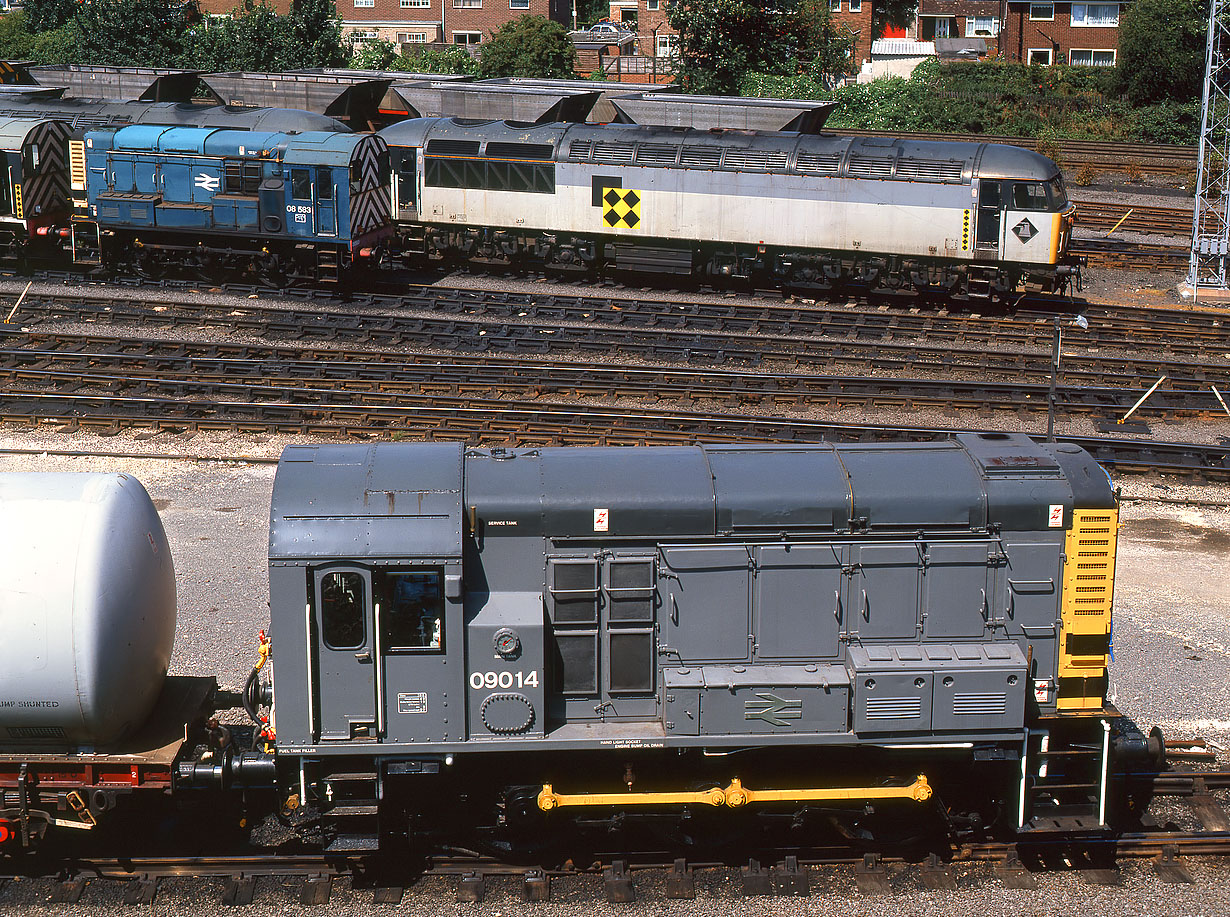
<point x="87" y="608"/>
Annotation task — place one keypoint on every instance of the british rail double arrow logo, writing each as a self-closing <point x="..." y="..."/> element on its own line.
<point x="772" y="709"/>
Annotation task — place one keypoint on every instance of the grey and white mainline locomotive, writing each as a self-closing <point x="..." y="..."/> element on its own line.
<point x="519" y="639"/>
<point x="783" y="209"/>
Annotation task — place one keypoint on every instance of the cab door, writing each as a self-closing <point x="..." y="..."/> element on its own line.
<point x="989" y="229"/>
<point x="346" y="644"/>
<point x="325" y="194"/>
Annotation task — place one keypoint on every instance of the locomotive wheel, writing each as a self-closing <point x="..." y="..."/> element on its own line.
<point x="270" y="270"/>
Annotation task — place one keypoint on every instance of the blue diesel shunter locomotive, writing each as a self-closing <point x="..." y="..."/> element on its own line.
<point x="304" y="206"/>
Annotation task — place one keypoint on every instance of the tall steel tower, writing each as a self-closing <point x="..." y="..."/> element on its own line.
<point x="1211" y="225"/>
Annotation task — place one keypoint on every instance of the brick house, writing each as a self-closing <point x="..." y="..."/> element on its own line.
<point x="1080" y="34"/>
<point x="457" y="22"/>
<point x="227" y="7"/>
<point x="656" y="37"/>
<point x="961" y="19"/>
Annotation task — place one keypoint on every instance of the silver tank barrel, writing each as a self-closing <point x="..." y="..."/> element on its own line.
<point x="87" y="608"/>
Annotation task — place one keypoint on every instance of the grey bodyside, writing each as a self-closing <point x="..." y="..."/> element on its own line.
<point x="773" y="595"/>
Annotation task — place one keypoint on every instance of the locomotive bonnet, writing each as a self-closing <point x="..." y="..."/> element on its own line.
<point x="87" y="608"/>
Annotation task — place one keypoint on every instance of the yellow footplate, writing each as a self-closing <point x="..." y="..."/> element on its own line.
<point x="1088" y="590"/>
<point x="735" y="796"/>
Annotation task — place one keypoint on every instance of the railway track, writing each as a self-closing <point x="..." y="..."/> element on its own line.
<point x="1158" y="221"/>
<point x="618" y="875"/>
<point x="372" y="378"/>
<point x="1137" y="256"/>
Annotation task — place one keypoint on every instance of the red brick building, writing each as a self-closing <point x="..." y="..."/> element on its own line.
<point x="228" y="7"/>
<point x="1080" y="34"/>
<point x="458" y="22"/>
<point x="961" y="19"/>
<point x="656" y="38"/>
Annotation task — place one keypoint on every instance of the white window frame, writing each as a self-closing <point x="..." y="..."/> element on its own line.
<point x="947" y="27"/>
<point x="518" y="4"/>
<point x="653" y="5"/>
<point x="1049" y="52"/>
<point x="1084" y="21"/>
<point x="477" y="40"/>
<point x="856" y="6"/>
<point x="467" y="4"/>
<point x="416" y="4"/>
<point x="971" y="25"/>
<point x="1114" y="57"/>
<point x="1033" y="18"/>
<point x="364" y="4"/>
<point x="834" y="6"/>
<point x="665" y="45"/>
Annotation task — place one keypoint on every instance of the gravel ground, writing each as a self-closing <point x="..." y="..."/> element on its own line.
<point x="1172" y="668"/>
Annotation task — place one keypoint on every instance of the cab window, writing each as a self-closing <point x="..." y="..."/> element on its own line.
<point x="1028" y="195"/>
<point x="342" y="603"/>
<point x="324" y="184"/>
<point x="1059" y="194"/>
<point x="301" y="184"/>
<point x="411" y="609"/>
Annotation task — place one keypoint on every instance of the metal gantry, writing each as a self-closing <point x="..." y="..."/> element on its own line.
<point x="1211" y="225"/>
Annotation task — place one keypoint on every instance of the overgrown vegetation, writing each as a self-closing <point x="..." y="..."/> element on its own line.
<point x="994" y="97"/>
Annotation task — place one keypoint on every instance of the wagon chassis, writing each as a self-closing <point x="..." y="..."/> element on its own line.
<point x="617" y="875"/>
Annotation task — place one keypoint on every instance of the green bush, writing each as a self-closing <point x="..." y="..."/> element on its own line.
<point x="993" y="97"/>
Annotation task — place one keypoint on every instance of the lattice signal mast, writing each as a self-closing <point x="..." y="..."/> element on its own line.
<point x="1211" y="226"/>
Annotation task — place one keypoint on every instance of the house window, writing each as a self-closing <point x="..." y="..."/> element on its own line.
<point x="942" y="28"/>
<point x="518" y="4"/>
<point x="835" y="6"/>
<point x="362" y="4"/>
<point x="411" y="38"/>
<point x="982" y="25"/>
<point x="416" y="4"/>
<point x="468" y="4"/>
<point x="653" y="4"/>
<point x="1087" y="58"/>
<point x="1040" y="56"/>
<point x="467" y="38"/>
<point x="856" y="6"/>
<point x="666" y="45"/>
<point x="1041" y="12"/>
<point x="1095" y="15"/>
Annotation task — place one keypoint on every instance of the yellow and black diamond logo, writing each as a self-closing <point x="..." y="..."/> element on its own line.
<point x="621" y="208"/>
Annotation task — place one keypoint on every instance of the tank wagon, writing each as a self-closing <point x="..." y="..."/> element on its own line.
<point x="704" y="639"/>
<point x="781" y="209"/>
<point x="308" y="205"/>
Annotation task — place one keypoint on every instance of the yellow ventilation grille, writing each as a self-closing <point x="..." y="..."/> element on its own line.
<point x="76" y="164"/>
<point x="1088" y="589"/>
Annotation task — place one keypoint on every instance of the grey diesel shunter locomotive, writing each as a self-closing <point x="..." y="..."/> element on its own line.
<point x="587" y="631"/>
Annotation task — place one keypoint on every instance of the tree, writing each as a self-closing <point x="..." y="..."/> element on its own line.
<point x="823" y="48"/>
<point x="453" y="59"/>
<point x="259" y="39"/>
<point x="722" y="40"/>
<point x="42" y="15"/>
<point x="530" y="46"/>
<point x="134" y="33"/>
<point x="314" y="35"/>
<point x="373" y="55"/>
<point x="1162" y="49"/>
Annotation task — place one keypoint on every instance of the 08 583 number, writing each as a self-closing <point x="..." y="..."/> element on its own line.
<point x="492" y="680"/>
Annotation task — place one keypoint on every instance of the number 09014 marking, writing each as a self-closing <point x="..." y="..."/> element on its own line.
<point x="493" y="680"/>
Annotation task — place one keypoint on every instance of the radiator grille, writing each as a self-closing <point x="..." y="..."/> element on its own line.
<point x="755" y="160"/>
<point x="657" y="154"/>
<point x="613" y="152"/>
<point x="930" y="170"/>
<point x="581" y="149"/>
<point x="894" y="708"/>
<point x="818" y="163"/>
<point x="865" y="167"/>
<point x="974" y="704"/>
<point x="704" y="157"/>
